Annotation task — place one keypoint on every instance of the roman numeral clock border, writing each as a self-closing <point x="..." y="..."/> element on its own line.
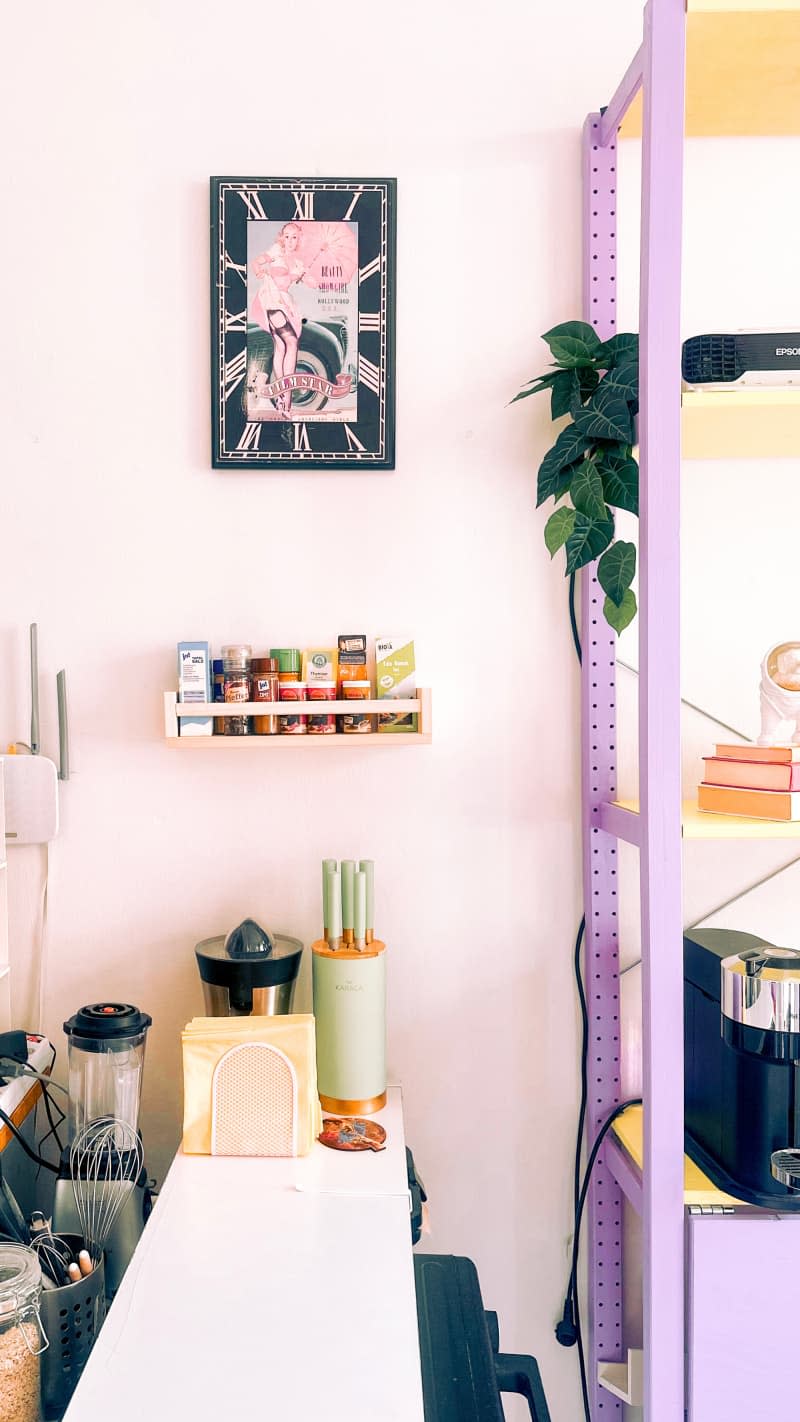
<point x="323" y="398"/>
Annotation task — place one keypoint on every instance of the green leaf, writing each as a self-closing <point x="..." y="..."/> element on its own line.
<point x="588" y="382"/>
<point x="586" y="491"/>
<point x="570" y="447"/>
<point x="622" y="347"/>
<point x="588" y="540"/>
<point x="625" y="380"/>
<point x="616" y="569"/>
<point x="548" y="379"/>
<point x="537" y="384"/>
<point x="534" y="390"/>
<point x="620" y="477"/>
<point x="573" y="343"/>
<point x="606" y="416"/>
<point x="558" y="529"/>
<point x="564" y="388"/>
<point x="619" y="617"/>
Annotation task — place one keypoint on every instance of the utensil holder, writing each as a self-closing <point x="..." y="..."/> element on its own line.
<point x="350" y="1013"/>
<point x="72" y="1316"/>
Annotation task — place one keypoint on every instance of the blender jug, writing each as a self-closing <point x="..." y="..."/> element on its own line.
<point x="105" y="1043"/>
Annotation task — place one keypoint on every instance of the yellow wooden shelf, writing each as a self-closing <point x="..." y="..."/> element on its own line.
<point x="742" y="67"/>
<point x="700" y="824"/>
<point x="740" y="424"/>
<point x="697" y="1188"/>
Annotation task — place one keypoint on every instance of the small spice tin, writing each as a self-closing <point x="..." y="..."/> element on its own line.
<point x="357" y="722"/>
<point x="293" y="725"/>
<point x="322" y="725"/>
<point x="218" y="680"/>
<point x="289" y="660"/>
<point x="265" y="686"/>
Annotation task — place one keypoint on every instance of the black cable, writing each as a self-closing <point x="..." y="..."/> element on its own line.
<point x="572" y="1293"/>
<point x="49" y="1106"/>
<point x="38" y="1159"/>
<point x="568" y="1330"/>
<point x="572" y="618"/>
<point x="584" y="1061"/>
<point x="22" y="1069"/>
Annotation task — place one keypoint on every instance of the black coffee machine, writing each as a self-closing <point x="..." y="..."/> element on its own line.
<point x="742" y="1064"/>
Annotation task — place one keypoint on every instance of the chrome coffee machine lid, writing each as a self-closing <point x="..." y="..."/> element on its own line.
<point x="248" y="957"/>
<point x="761" y="988"/>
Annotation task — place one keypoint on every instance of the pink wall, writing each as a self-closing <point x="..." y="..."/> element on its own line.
<point x="119" y="540"/>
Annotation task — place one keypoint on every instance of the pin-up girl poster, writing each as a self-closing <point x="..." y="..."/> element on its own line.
<point x="302" y="325"/>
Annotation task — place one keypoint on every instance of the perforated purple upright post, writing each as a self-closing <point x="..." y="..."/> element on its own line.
<point x="659" y="66"/>
<point x="601" y="948"/>
<point x="663" y="1216"/>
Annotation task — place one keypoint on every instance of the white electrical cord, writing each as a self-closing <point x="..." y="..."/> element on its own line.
<point x="43" y="942"/>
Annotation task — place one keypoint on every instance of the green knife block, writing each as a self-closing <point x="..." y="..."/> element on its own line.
<point x="349" y="990"/>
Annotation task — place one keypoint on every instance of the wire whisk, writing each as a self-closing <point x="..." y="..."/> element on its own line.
<point x="105" y="1162"/>
<point x="53" y="1251"/>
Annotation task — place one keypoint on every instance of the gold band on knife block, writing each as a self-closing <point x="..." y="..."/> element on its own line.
<point x="353" y="1108"/>
<point x="326" y="950"/>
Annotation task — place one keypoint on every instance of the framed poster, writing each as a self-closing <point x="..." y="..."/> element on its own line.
<point x="302" y="323"/>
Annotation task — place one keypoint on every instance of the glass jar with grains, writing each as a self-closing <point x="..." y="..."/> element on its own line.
<point x="22" y="1337"/>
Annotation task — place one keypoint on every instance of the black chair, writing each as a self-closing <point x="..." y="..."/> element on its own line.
<point x="463" y="1371"/>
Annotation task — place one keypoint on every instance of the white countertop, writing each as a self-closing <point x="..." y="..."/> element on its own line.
<point x="285" y="1286"/>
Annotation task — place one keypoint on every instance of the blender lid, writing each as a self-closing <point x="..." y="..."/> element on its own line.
<point x="248" y="956"/>
<point x="106" y="1021"/>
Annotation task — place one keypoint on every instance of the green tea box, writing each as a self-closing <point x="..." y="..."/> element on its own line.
<point x="395" y="679"/>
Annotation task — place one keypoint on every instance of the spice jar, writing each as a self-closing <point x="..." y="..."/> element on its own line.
<point x="293" y="725"/>
<point x="324" y="725"/>
<point x="289" y="659"/>
<point x="22" y="1337"/>
<point x="218" y="683"/>
<point x="265" y="686"/>
<point x="236" y="668"/>
<point x="357" y="722"/>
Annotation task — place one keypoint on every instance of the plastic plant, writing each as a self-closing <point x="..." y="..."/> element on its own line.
<point x="590" y="470"/>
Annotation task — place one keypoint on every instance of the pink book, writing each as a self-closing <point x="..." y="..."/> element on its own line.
<point x="751" y="775"/>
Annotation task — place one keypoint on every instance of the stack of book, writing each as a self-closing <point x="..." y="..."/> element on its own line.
<point x="762" y="782"/>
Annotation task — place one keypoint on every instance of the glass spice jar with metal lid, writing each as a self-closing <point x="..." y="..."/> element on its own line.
<point x="22" y="1336"/>
<point x="293" y="725"/>
<point x="265" y="686"/>
<point x="236" y="660"/>
<point x="357" y="722"/>
<point x="323" y="724"/>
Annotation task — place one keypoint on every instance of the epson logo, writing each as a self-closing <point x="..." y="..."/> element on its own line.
<point x="787" y="350"/>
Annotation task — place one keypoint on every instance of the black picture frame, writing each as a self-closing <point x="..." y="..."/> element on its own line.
<point x="303" y="323"/>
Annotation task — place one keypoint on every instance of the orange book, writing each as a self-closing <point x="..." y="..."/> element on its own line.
<point x="755" y="804"/>
<point x="768" y="755"/>
<point x="751" y="775"/>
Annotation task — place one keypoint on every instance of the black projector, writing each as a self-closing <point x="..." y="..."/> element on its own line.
<point x="744" y="358"/>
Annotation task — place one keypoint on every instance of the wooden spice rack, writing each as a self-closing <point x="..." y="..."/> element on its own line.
<point x="174" y="710"/>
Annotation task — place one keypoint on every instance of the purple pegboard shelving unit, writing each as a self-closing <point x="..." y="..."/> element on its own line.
<point x="658" y="68"/>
